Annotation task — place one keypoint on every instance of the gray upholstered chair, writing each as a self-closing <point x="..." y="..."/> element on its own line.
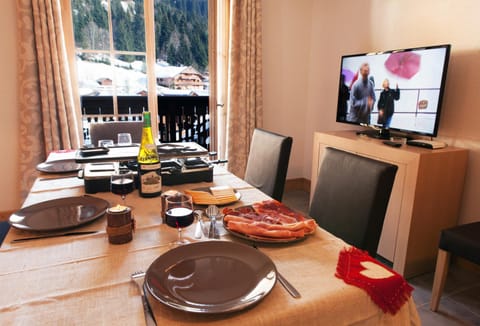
<point x="268" y="162"/>
<point x="351" y="197"/>
<point x="4" y="227"/>
<point x="110" y="130"/>
<point x="462" y="241"/>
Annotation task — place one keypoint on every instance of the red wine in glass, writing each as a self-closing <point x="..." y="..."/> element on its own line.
<point x="179" y="214"/>
<point x="122" y="184"/>
<point x="179" y="217"/>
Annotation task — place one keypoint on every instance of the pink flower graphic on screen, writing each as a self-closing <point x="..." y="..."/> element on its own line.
<point x="403" y="64"/>
<point x="348" y="75"/>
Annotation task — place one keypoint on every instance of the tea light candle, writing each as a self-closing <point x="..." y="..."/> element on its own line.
<point x="117" y="209"/>
<point x="120" y="224"/>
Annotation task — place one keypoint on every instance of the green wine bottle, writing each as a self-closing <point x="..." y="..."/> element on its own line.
<point x="149" y="169"/>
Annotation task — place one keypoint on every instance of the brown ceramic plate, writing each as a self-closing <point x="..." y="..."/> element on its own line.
<point x="58" y="214"/>
<point x="211" y="277"/>
<point x="60" y="166"/>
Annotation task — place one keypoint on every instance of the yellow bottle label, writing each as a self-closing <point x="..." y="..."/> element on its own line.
<point x="148" y="154"/>
<point x="149" y="168"/>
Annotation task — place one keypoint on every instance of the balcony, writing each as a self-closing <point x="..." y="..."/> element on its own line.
<point x="180" y="118"/>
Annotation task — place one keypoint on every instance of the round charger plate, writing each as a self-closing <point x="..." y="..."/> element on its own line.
<point x="211" y="277"/>
<point x="58" y="214"/>
<point x="60" y="166"/>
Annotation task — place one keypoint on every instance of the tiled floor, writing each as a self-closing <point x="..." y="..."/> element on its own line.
<point x="460" y="302"/>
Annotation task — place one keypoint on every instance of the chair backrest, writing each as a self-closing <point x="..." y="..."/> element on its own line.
<point x="4" y="227"/>
<point x="268" y="162"/>
<point x="462" y="240"/>
<point x="351" y="197"/>
<point x="110" y="130"/>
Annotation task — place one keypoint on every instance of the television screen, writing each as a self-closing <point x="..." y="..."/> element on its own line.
<point x="398" y="90"/>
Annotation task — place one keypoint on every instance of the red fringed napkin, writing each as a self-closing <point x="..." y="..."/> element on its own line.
<point x="388" y="289"/>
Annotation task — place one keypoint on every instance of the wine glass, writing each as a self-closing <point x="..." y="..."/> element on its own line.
<point x="122" y="183"/>
<point x="124" y="139"/>
<point x="105" y="143"/>
<point x="179" y="214"/>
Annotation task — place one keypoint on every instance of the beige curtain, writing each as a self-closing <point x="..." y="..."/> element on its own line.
<point x="244" y="93"/>
<point x="49" y="119"/>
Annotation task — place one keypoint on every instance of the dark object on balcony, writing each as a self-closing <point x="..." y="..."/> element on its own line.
<point x="462" y="241"/>
<point x="184" y="119"/>
<point x="351" y="197"/>
<point x="4" y="227"/>
<point x="103" y="105"/>
<point x="110" y="130"/>
<point x="268" y="162"/>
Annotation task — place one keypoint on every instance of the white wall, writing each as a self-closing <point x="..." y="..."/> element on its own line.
<point x="303" y="42"/>
<point x="286" y="53"/>
<point x="9" y="198"/>
<point x="301" y="72"/>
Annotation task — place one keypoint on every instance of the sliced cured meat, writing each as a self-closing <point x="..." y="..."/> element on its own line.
<point x="281" y="211"/>
<point x="268" y="219"/>
<point x="236" y="218"/>
<point x="238" y="210"/>
<point x="307" y="226"/>
<point x="254" y="229"/>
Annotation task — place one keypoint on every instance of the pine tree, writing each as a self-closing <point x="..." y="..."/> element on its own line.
<point x="181" y="29"/>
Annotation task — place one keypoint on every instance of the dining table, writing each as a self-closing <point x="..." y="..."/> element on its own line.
<point x="86" y="280"/>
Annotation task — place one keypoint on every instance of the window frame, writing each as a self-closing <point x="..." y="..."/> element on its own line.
<point x="67" y="21"/>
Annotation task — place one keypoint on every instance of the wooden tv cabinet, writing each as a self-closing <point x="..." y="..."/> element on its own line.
<point x="425" y="199"/>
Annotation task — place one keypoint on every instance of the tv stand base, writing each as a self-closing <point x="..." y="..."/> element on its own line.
<point x="383" y="134"/>
<point x="374" y="133"/>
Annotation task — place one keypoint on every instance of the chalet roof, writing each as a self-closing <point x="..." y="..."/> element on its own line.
<point x="172" y="71"/>
<point x="91" y="75"/>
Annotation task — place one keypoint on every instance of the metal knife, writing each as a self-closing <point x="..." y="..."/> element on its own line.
<point x="139" y="279"/>
<point x="66" y="234"/>
<point x="288" y="286"/>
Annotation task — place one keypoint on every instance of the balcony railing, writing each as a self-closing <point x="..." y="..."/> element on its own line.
<point x="180" y="118"/>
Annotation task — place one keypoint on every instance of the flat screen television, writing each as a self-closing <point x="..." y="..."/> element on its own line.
<point x="397" y="90"/>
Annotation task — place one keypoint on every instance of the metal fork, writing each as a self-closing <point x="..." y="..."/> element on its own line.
<point x="138" y="278"/>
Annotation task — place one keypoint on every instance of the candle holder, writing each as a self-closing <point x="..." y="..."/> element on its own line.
<point x="120" y="224"/>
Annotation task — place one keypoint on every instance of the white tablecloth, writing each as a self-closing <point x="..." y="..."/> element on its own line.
<point x="85" y="280"/>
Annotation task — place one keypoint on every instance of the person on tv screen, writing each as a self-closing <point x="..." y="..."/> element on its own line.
<point x="344" y="95"/>
<point x="386" y="103"/>
<point x="362" y="97"/>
